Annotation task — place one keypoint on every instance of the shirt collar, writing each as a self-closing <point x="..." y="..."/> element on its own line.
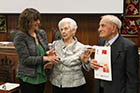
<point x="113" y="39"/>
<point x="64" y="46"/>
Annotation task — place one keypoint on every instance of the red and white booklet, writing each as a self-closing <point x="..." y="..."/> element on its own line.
<point x="103" y="57"/>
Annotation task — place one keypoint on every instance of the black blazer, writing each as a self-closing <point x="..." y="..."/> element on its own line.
<point x="124" y="62"/>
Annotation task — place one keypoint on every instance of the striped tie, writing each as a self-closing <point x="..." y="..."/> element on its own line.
<point x="106" y="44"/>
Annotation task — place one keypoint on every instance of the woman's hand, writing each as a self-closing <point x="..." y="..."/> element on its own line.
<point x="51" y="52"/>
<point x="85" y="56"/>
<point x="53" y="59"/>
<point x="51" y="56"/>
<point x="48" y="66"/>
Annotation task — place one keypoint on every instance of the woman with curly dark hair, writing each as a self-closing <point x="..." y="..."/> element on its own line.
<point x="31" y="46"/>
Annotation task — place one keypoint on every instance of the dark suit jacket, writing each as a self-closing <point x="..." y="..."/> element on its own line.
<point x="124" y="62"/>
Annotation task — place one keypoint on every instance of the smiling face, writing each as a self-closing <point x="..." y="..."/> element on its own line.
<point x="29" y="19"/>
<point x="107" y="30"/>
<point x="35" y="25"/>
<point x="66" y="32"/>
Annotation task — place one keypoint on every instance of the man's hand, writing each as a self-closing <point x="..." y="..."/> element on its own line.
<point x="94" y="64"/>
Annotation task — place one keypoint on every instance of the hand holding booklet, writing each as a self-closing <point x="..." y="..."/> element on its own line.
<point x="103" y="57"/>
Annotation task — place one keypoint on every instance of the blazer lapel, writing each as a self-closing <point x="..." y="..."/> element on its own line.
<point x="116" y="49"/>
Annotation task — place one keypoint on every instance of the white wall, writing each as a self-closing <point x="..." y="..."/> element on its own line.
<point x="63" y="6"/>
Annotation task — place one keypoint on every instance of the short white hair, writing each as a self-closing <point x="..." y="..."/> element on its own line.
<point x="72" y="23"/>
<point x="113" y="19"/>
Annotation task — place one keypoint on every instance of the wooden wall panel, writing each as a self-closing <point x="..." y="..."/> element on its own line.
<point x="3" y="36"/>
<point x="87" y="26"/>
<point x="86" y="33"/>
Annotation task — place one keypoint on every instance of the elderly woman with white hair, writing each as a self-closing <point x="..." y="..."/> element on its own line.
<point x="67" y="75"/>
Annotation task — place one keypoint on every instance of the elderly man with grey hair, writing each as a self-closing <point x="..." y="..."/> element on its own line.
<point x="124" y="59"/>
<point x="67" y="75"/>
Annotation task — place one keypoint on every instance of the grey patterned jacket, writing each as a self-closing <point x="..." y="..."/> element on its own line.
<point x="26" y="49"/>
<point x="68" y="72"/>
